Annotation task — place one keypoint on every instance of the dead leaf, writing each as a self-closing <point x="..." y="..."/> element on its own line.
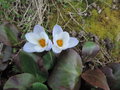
<point x="96" y="78"/>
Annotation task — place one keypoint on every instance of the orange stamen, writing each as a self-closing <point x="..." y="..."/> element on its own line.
<point x="60" y="43"/>
<point x="42" y="42"/>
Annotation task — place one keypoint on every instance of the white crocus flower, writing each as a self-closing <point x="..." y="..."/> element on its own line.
<point x="62" y="40"/>
<point x="38" y="40"/>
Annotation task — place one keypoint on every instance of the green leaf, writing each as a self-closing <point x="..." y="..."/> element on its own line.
<point x="8" y="34"/>
<point x="48" y="60"/>
<point x="112" y="72"/>
<point x="5" y="56"/>
<point x="29" y="65"/>
<point x="66" y="73"/>
<point x="89" y="50"/>
<point x="19" y="82"/>
<point x="38" y="86"/>
<point x="96" y="78"/>
<point x="3" y="66"/>
<point x="3" y="36"/>
<point x="7" y="53"/>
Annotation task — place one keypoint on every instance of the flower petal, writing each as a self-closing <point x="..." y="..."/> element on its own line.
<point x="29" y="47"/>
<point x="49" y="45"/>
<point x="39" y="49"/>
<point x="62" y="36"/>
<point x="73" y="42"/>
<point x="38" y="29"/>
<point x="32" y="37"/>
<point x="57" y="30"/>
<point x="56" y="49"/>
<point x="65" y="36"/>
<point x="43" y="35"/>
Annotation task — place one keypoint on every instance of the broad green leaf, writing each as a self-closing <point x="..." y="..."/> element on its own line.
<point x="38" y="86"/>
<point x="5" y="56"/>
<point x="8" y="34"/>
<point x="7" y="53"/>
<point x="96" y="78"/>
<point x="29" y="65"/>
<point x="66" y="73"/>
<point x="3" y="36"/>
<point x="48" y="60"/>
<point x="19" y="82"/>
<point x="89" y="50"/>
<point x="3" y="66"/>
<point x="112" y="72"/>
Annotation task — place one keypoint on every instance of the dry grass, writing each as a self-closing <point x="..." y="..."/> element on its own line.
<point x="25" y="13"/>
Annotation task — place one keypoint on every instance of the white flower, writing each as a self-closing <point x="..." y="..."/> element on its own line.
<point x="62" y="40"/>
<point x="38" y="40"/>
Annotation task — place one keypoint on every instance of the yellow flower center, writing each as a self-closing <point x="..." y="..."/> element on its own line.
<point x="42" y="42"/>
<point x="60" y="43"/>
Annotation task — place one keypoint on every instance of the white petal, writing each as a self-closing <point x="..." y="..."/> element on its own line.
<point x="28" y="47"/>
<point x="57" y="30"/>
<point x="32" y="38"/>
<point x="38" y="29"/>
<point x="65" y="36"/>
<point x="62" y="36"/>
<point x="73" y="42"/>
<point x="44" y="35"/>
<point x="49" y="45"/>
<point x="56" y="49"/>
<point x="39" y="49"/>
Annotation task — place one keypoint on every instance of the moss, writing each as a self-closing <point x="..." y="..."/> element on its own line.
<point x="105" y="24"/>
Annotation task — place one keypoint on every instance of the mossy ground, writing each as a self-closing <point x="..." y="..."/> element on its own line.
<point x="99" y="17"/>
